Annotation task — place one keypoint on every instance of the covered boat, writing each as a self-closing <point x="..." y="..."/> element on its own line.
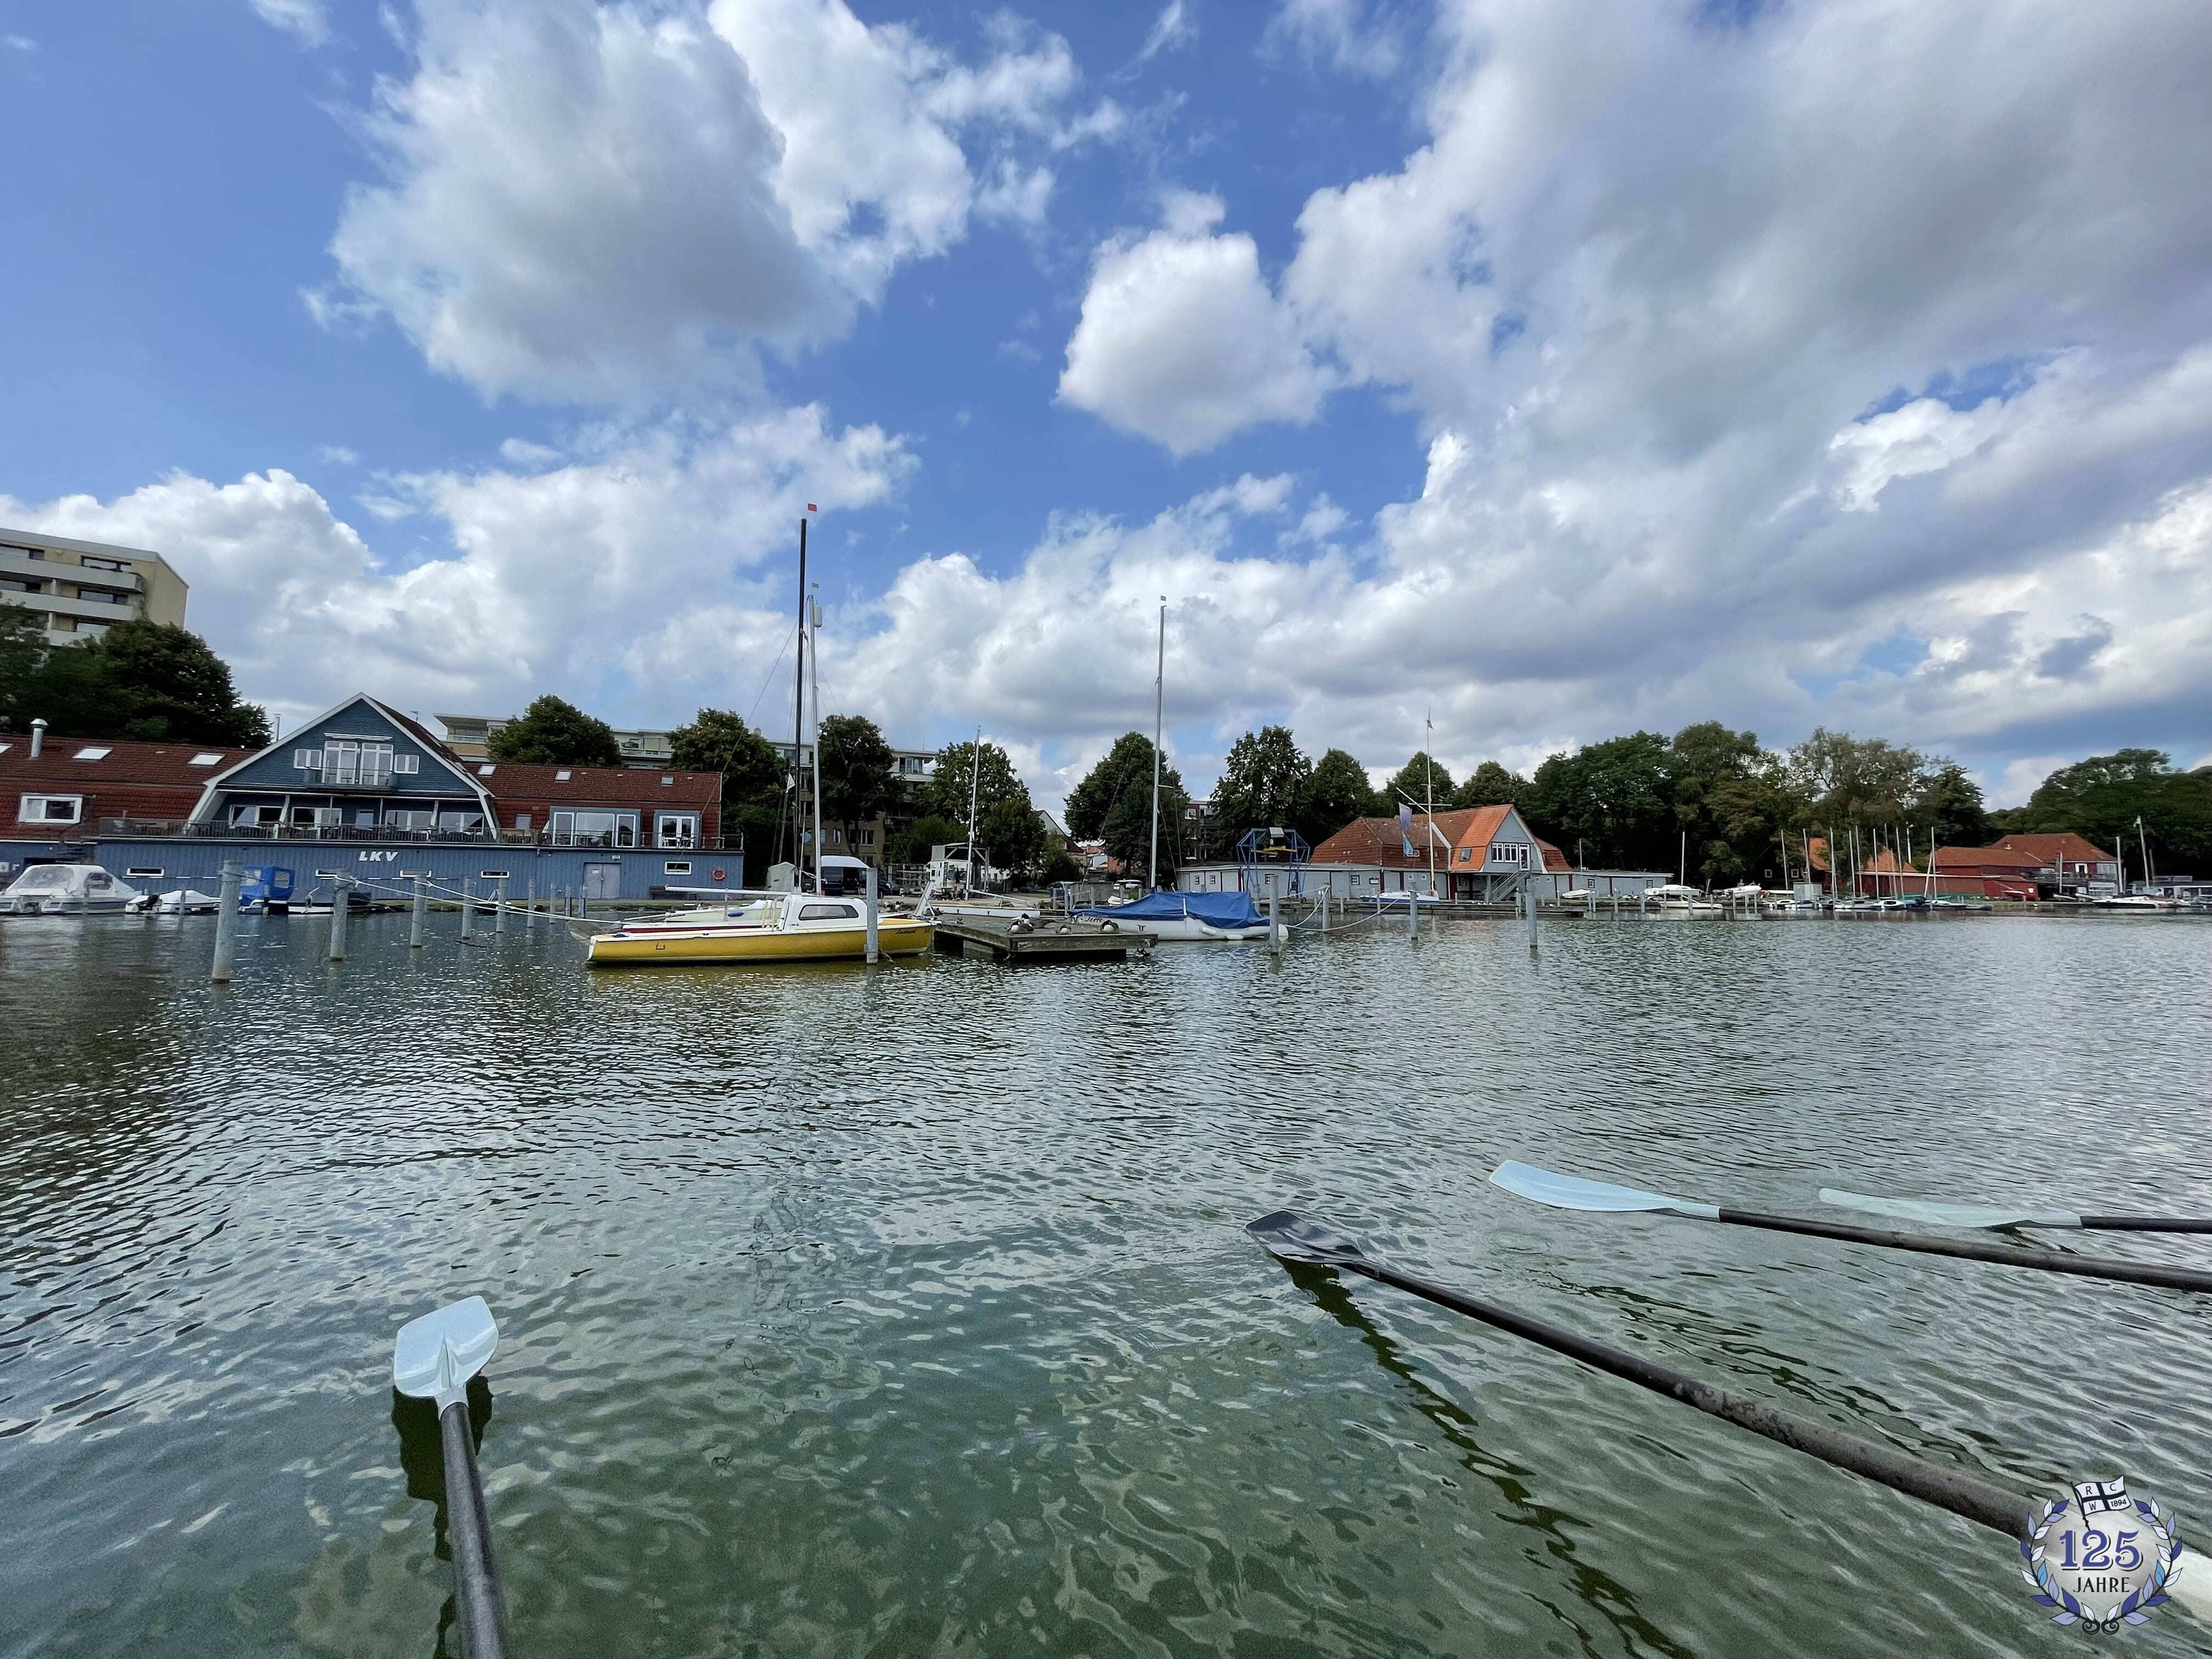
<point x="1189" y="918"/>
<point x="766" y="928"/>
<point x="67" y="889"/>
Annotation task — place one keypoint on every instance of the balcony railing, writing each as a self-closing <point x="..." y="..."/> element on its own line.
<point x="129" y="828"/>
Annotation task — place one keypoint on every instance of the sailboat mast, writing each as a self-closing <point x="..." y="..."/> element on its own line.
<point x="799" y="714"/>
<point x="1429" y="782"/>
<point x="975" y="787"/>
<point x="2143" y="840"/>
<point x="814" y="621"/>
<point x="1159" y="709"/>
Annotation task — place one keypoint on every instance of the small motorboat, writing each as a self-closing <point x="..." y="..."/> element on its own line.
<point x="67" y="889"/>
<point x="1189" y="918"/>
<point x="178" y="901"/>
<point x="767" y="927"/>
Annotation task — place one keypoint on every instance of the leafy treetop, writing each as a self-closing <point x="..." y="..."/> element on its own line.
<point x="553" y="732"/>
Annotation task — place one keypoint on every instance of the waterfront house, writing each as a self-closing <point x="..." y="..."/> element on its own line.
<point x="2028" y="866"/>
<point x="1481" y="854"/>
<point x="378" y="796"/>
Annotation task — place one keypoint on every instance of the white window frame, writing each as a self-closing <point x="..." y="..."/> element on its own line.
<point x="493" y="875"/>
<point x="25" y="814"/>
<point x="622" y="828"/>
<point x="307" y="760"/>
<point x="406" y="765"/>
<point x="676" y="867"/>
<point x="147" y="872"/>
<point x="675" y="829"/>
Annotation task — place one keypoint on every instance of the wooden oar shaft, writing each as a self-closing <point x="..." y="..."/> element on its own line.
<point x="2143" y="1223"/>
<point x="483" y="1608"/>
<point x="2084" y="1266"/>
<point x="1964" y="1495"/>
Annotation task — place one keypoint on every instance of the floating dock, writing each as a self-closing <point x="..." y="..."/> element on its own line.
<point x="1039" y="939"/>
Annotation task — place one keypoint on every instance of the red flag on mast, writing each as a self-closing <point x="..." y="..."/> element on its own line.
<point x="811" y="507"/>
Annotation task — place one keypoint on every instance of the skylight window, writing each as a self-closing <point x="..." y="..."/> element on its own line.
<point x="206" y="760"/>
<point x="93" y="753"/>
<point x="562" y="776"/>
<point x="483" y="771"/>
<point x="666" y="778"/>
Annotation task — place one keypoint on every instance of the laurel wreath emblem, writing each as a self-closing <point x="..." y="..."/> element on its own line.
<point x="2166" y="1528"/>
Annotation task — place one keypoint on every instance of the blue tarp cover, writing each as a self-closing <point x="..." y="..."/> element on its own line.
<point x="1214" y="909"/>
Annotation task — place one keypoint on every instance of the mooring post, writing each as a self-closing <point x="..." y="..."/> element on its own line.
<point x="1412" y="916"/>
<point x="1275" y="921"/>
<point x="226" y="923"/>
<point x="530" y="906"/>
<point x="871" y="913"/>
<point x="341" y="892"/>
<point x="468" y="908"/>
<point x="415" y="922"/>
<point x="499" y="916"/>
<point x="1326" y="885"/>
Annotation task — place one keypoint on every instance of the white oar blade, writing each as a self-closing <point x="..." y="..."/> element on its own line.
<point x="435" y="1356"/>
<point x="1947" y="1215"/>
<point x="1567" y="1192"/>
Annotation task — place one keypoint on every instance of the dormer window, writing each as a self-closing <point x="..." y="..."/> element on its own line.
<point x="94" y="753"/>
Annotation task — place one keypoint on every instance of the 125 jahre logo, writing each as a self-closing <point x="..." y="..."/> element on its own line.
<point x="2101" y="1557"/>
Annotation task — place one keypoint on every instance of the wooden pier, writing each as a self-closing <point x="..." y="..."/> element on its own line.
<point x="1039" y="939"/>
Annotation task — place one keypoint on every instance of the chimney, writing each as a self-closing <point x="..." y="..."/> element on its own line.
<point x="37" y="738"/>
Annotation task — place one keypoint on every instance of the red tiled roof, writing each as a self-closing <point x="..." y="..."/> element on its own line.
<point x="2064" y="847"/>
<point x="1984" y="858"/>
<point x="594" y="785"/>
<point x="125" y="762"/>
<point x="132" y="780"/>
<point x="1377" y="841"/>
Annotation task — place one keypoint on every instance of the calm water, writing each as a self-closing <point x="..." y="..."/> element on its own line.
<point x="908" y="1312"/>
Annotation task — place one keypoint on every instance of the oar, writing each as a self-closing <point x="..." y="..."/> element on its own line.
<point x="1567" y="1192"/>
<point x="433" y="1359"/>
<point x="2001" y="1218"/>
<point x="1294" y="1237"/>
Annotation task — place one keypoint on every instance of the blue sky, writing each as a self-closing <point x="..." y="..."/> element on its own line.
<point x="1559" y="373"/>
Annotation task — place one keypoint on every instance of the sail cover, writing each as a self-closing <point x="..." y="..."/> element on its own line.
<point x="1214" y="909"/>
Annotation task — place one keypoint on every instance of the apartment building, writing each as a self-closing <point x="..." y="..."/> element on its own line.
<point x="79" y="590"/>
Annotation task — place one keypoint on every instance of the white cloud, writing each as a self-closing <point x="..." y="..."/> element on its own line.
<point x="754" y="170"/>
<point x="1182" y="342"/>
<point x="1172" y="30"/>
<point x="18" y="43"/>
<point x="1343" y="34"/>
<point x="304" y="19"/>
<point x="339" y="455"/>
<point x="500" y="582"/>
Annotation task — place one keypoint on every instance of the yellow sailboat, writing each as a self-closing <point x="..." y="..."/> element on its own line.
<point x="767" y="927"/>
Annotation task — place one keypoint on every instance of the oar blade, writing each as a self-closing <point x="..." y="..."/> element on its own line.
<point x="1947" y="1215"/>
<point x="434" y="1356"/>
<point x="1294" y="1237"/>
<point x="1567" y="1192"/>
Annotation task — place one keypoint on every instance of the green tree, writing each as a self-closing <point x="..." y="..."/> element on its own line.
<point x="1841" y="779"/>
<point x="1415" y="779"/>
<point x="2102" y="797"/>
<point x="857" y="782"/>
<point x="1490" y="785"/>
<point x="914" y="843"/>
<point x="552" y="732"/>
<point x="1261" y="783"/>
<point x="22" y="650"/>
<point x="1113" y="803"/>
<point x="945" y="794"/>
<point x="1950" y="804"/>
<point x="1335" y="793"/>
<point x="1728" y="800"/>
<point x="151" y="681"/>
<point x="756" y="798"/>
<point x="1614" y="798"/>
<point x="1012" y="837"/>
<point x="1058" y="865"/>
